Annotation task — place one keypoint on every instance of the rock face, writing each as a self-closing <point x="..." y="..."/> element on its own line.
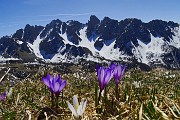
<point x="154" y="43"/>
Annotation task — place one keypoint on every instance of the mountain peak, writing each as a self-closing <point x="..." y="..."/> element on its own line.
<point x="94" y="18"/>
<point x="111" y="40"/>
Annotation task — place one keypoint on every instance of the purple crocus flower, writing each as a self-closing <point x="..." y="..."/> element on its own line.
<point x="118" y="71"/>
<point x="54" y="83"/>
<point x="1" y="83"/>
<point x="104" y="76"/>
<point x="3" y="96"/>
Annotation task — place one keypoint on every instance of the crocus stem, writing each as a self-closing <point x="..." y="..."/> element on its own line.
<point x="56" y="103"/>
<point x="96" y="95"/>
<point x="2" y="108"/>
<point x="99" y="97"/>
<point x="98" y="110"/>
<point x="52" y="98"/>
<point x="112" y="102"/>
<point x="105" y="94"/>
<point x="117" y="92"/>
<point x="62" y="98"/>
<point x="105" y="98"/>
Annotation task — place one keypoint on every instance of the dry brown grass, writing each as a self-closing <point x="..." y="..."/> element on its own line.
<point x="157" y="97"/>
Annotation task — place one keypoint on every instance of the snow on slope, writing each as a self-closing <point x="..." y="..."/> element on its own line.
<point x="58" y="58"/>
<point x="35" y="47"/>
<point x="144" y="52"/>
<point x="175" y="41"/>
<point x="66" y="41"/>
<point x="19" y="42"/>
<point x="86" y="42"/>
<point x="2" y="59"/>
<point x="107" y="51"/>
<point x="152" y="51"/>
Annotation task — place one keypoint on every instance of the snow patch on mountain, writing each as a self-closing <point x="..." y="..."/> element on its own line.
<point x="2" y="59"/>
<point x="152" y="51"/>
<point x="19" y="42"/>
<point x="85" y="41"/>
<point x="58" y="58"/>
<point x="108" y="51"/>
<point x="65" y="39"/>
<point x="109" y="40"/>
<point x="35" y="47"/>
<point x="175" y="41"/>
<point x="63" y="58"/>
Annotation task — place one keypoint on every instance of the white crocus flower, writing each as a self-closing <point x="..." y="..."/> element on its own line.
<point x="77" y="109"/>
<point x="9" y="94"/>
<point x="137" y="84"/>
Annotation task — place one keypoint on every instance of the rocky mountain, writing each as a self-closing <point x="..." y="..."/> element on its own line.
<point x="130" y="40"/>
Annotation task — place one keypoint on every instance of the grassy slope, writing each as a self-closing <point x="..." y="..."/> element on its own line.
<point x="158" y="94"/>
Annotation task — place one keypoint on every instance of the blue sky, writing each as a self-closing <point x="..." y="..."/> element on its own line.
<point x="15" y="14"/>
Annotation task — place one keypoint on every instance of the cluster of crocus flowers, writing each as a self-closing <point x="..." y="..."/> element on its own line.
<point x="106" y="74"/>
<point x="77" y="109"/>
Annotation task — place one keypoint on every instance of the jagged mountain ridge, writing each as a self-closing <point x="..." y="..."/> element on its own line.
<point x="155" y="42"/>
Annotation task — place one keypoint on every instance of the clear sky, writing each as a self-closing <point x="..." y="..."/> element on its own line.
<point x="15" y="14"/>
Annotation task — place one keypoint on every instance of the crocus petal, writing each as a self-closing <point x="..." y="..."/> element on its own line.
<point x="79" y="110"/>
<point x="81" y="107"/>
<point x="84" y="106"/>
<point x="123" y="69"/>
<point x="9" y="94"/>
<point x="57" y="79"/>
<point x="119" y="71"/>
<point x="46" y="81"/>
<point x="102" y="72"/>
<point x="101" y="77"/>
<point x="99" y="73"/>
<point x="108" y="76"/>
<point x="75" y="102"/>
<point x="72" y="110"/>
<point x="112" y="66"/>
<point x="63" y="84"/>
<point x="52" y="86"/>
<point x="97" y="68"/>
<point x="3" y="96"/>
<point x="56" y="87"/>
<point x="49" y="77"/>
<point x="1" y="83"/>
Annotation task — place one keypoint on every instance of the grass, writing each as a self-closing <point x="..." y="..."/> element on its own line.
<point x="154" y="95"/>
